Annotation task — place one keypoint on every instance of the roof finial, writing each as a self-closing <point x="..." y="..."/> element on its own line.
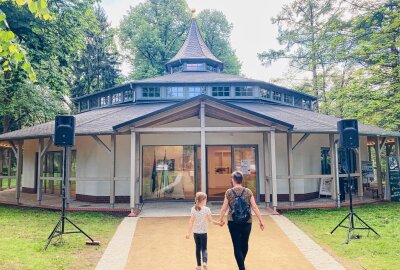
<point x="193" y="13"/>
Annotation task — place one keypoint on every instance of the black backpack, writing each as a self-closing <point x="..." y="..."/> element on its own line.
<point x="241" y="212"/>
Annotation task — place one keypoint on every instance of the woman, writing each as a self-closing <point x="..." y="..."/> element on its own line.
<point x="240" y="231"/>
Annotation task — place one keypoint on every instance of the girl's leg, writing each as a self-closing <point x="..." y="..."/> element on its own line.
<point x="197" y="240"/>
<point x="204" y="247"/>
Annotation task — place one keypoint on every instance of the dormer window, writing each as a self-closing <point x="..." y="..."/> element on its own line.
<point x="277" y="96"/>
<point x="116" y="98"/>
<point x="244" y="91"/>
<point x="195" y="67"/>
<point x="104" y="101"/>
<point x="265" y="93"/>
<point x="175" y="92"/>
<point x="288" y="98"/>
<point x="151" y="92"/>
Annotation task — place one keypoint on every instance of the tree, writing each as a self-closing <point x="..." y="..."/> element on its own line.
<point x="216" y="31"/>
<point x="154" y="31"/>
<point x="97" y="67"/>
<point x="302" y="32"/>
<point x="11" y="52"/>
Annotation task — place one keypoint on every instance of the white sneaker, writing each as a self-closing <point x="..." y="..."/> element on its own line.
<point x="205" y="266"/>
<point x="198" y="267"/>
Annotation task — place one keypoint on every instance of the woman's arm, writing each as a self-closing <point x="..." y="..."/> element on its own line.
<point x="223" y="210"/>
<point x="190" y="228"/>
<point x="257" y="212"/>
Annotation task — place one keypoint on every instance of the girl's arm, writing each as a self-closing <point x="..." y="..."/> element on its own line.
<point x="224" y="208"/>
<point x="213" y="221"/>
<point x="190" y="228"/>
<point x="257" y="212"/>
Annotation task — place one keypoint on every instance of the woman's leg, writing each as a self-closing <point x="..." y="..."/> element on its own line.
<point x="197" y="240"/>
<point x="246" y="229"/>
<point x="204" y="247"/>
<point x="236" y="236"/>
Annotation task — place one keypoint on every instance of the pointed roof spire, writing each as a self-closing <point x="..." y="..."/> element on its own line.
<point x="193" y="49"/>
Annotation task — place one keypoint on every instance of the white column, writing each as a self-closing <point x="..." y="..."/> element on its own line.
<point x="19" y="171"/>
<point x="203" y="148"/>
<point x="39" y="172"/>
<point x="9" y="167"/>
<point x="133" y="170"/>
<point x="378" y="166"/>
<point x="68" y="176"/>
<point x="332" y="153"/>
<point x="112" y="170"/>
<point x="290" y="166"/>
<point x="1" y="169"/>
<point x="267" y="169"/>
<point x="138" y="184"/>
<point x="273" y="171"/>
<point x="359" y="165"/>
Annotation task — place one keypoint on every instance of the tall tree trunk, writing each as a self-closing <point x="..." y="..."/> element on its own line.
<point x="6" y="123"/>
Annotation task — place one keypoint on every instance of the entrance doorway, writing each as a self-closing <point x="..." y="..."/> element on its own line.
<point x="222" y="161"/>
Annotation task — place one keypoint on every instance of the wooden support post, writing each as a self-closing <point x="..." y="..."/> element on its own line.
<point x="9" y="168"/>
<point x="39" y="172"/>
<point x="133" y="170"/>
<point x="19" y="171"/>
<point x="112" y="170"/>
<point x="267" y="169"/>
<point x="332" y="154"/>
<point x="397" y="147"/>
<point x="290" y="166"/>
<point x="138" y="155"/>
<point x="378" y="167"/>
<point x="273" y="171"/>
<point x="1" y="169"/>
<point x="203" y="148"/>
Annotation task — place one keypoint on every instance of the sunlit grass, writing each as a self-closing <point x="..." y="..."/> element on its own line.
<point x="24" y="231"/>
<point x="369" y="252"/>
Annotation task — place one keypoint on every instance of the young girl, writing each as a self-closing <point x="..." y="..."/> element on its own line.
<point x="200" y="216"/>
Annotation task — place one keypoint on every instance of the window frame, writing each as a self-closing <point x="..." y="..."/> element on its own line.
<point x="221" y="91"/>
<point x="243" y="91"/>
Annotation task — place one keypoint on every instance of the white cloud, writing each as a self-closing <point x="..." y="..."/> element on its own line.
<point x="252" y="32"/>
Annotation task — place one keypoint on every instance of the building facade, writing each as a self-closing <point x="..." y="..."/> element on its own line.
<point x="165" y="138"/>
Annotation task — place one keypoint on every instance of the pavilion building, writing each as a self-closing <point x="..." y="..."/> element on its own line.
<point x="167" y="137"/>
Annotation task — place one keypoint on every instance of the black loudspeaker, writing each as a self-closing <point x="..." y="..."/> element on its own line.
<point x="64" y="130"/>
<point x="348" y="131"/>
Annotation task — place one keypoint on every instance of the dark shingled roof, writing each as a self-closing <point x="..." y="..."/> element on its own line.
<point x="194" y="47"/>
<point x="102" y="121"/>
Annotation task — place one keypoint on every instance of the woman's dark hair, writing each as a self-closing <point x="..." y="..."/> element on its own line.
<point x="237" y="176"/>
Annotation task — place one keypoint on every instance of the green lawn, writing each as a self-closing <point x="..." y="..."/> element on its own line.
<point x="24" y="231"/>
<point x="365" y="253"/>
<point x="5" y="183"/>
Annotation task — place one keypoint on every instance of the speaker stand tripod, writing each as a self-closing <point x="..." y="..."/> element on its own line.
<point x="59" y="229"/>
<point x="352" y="216"/>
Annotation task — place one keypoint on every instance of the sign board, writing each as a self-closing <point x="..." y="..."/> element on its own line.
<point x="245" y="166"/>
<point x="325" y="187"/>
<point x="394" y="178"/>
<point x="367" y="171"/>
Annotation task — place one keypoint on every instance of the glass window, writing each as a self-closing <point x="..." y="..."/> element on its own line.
<point x="128" y="95"/>
<point x="245" y="160"/>
<point x="298" y="102"/>
<point x="195" y="67"/>
<point x="94" y="102"/>
<point x="265" y="93"/>
<point x="211" y="68"/>
<point x="175" y="92"/>
<point x="325" y="161"/>
<point x="104" y="101"/>
<point x="84" y="105"/>
<point x="244" y="91"/>
<point x="168" y="172"/>
<point x="151" y="92"/>
<point x="117" y="98"/>
<point x="276" y="96"/>
<point x="221" y="91"/>
<point x="177" y="69"/>
<point x="195" y="91"/>
<point x="288" y="98"/>
<point x="306" y="104"/>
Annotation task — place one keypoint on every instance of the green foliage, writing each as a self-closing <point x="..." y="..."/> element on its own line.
<point x="216" y="31"/>
<point x="97" y="67"/>
<point x="369" y="252"/>
<point x="154" y="31"/>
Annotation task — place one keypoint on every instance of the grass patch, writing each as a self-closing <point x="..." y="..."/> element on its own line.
<point x="5" y="183"/>
<point x="24" y="231"/>
<point x="369" y="252"/>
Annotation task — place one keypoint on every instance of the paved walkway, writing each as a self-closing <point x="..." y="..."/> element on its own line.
<point x="155" y="240"/>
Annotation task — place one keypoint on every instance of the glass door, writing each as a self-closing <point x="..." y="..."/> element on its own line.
<point x="245" y="160"/>
<point x="219" y="170"/>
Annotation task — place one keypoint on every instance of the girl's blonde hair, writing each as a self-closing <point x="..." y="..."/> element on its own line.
<point x="200" y="197"/>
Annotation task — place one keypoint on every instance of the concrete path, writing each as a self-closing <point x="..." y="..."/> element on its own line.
<point x="318" y="257"/>
<point x="116" y="254"/>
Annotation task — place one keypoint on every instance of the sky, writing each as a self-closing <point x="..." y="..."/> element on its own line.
<point x="252" y="31"/>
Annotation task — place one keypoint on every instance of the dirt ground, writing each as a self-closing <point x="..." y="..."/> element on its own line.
<point x="160" y="244"/>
